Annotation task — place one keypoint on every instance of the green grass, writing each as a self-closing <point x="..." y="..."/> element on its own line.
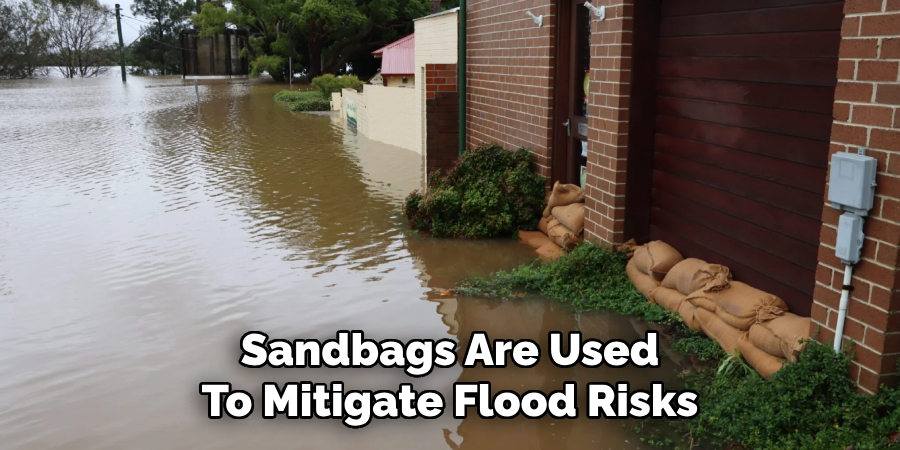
<point x="304" y="100"/>
<point x="810" y="404"/>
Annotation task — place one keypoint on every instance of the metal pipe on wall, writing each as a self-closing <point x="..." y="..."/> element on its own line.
<point x="461" y="76"/>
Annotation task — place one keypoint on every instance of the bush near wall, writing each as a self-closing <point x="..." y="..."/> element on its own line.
<point x="304" y="100"/>
<point x="810" y="404"/>
<point x="328" y="83"/>
<point x="489" y="192"/>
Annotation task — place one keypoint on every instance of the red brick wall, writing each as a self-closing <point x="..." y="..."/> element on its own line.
<point x="441" y="117"/>
<point x="866" y="114"/>
<point x="608" y="123"/>
<point x="509" y="84"/>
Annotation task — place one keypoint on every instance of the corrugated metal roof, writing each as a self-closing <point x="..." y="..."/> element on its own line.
<point x="398" y="57"/>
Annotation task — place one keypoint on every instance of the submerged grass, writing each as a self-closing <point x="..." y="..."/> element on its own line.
<point x="810" y="404"/>
<point x="304" y="100"/>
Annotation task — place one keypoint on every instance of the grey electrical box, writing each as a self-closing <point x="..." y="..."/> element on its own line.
<point x="851" y="185"/>
<point x="849" y="238"/>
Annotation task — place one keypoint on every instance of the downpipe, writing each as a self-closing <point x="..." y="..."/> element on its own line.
<point x="846" y="288"/>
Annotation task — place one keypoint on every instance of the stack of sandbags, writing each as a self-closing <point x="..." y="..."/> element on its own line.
<point x="769" y="344"/>
<point x="649" y="264"/>
<point x="686" y="277"/>
<point x="724" y="314"/>
<point x="545" y="248"/>
<point x="563" y="220"/>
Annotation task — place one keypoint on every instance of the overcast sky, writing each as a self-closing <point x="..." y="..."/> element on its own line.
<point x="129" y="26"/>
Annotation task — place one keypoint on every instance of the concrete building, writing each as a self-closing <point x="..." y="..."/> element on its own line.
<point x="710" y="125"/>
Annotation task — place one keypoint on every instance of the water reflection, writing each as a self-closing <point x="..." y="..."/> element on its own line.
<point x="139" y="239"/>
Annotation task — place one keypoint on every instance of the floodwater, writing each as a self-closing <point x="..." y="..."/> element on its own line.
<point x="140" y="238"/>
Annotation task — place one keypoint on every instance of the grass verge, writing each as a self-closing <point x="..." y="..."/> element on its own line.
<point x="304" y="100"/>
<point x="810" y="404"/>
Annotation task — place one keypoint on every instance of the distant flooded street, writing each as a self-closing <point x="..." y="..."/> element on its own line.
<point x="140" y="238"/>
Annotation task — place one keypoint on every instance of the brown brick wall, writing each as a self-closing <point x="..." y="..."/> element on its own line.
<point x="509" y="84"/>
<point x="867" y="114"/>
<point x="608" y="102"/>
<point x="441" y="117"/>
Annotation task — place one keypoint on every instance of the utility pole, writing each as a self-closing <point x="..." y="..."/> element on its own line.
<point x="121" y="44"/>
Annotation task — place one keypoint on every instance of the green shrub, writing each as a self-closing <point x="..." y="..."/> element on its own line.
<point x="810" y="404"/>
<point x="311" y="105"/>
<point x="297" y="96"/>
<point x="490" y="192"/>
<point x="273" y="64"/>
<point x="328" y="83"/>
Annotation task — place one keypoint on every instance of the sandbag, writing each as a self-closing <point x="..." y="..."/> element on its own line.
<point x="668" y="298"/>
<point x="550" y="252"/>
<point x="742" y="305"/>
<point x="572" y="216"/>
<point x="764" y="340"/>
<point x="534" y="239"/>
<point x="791" y="330"/>
<point x="561" y="235"/>
<point x="543" y="225"/>
<point x="656" y="258"/>
<point x="704" y="300"/>
<point x="628" y="247"/>
<point x="562" y="195"/>
<point x="725" y="335"/>
<point x="692" y="274"/>
<point x="686" y="311"/>
<point x="763" y="362"/>
<point x="643" y="282"/>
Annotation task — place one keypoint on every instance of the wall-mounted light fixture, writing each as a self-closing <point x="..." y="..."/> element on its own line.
<point x="538" y="20"/>
<point x="599" y="12"/>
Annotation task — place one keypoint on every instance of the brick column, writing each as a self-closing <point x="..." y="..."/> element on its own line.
<point x="441" y="117"/>
<point x="866" y="114"/>
<point x="609" y="102"/>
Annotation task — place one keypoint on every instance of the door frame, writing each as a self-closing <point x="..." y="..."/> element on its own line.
<point x="642" y="120"/>
<point x="560" y="159"/>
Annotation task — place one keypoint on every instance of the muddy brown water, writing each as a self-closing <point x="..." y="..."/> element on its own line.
<point x="139" y="239"/>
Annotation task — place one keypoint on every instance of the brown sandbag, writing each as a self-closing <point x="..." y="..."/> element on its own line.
<point x="791" y="330"/>
<point x="763" y="362"/>
<point x="534" y="239"/>
<point x="742" y="305"/>
<point x="692" y="274"/>
<point x="656" y="258"/>
<point x="561" y="235"/>
<point x="668" y="298"/>
<point x="686" y="311"/>
<point x="562" y="195"/>
<point x="725" y="335"/>
<point x="764" y="340"/>
<point x="643" y="282"/>
<point x="543" y="225"/>
<point x="550" y="252"/>
<point x="572" y="216"/>
<point x="628" y="247"/>
<point x="704" y="300"/>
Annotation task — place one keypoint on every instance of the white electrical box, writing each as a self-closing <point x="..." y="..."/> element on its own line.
<point x="849" y="238"/>
<point x="851" y="185"/>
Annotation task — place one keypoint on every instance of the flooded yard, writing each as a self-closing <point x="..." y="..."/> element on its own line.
<point x="140" y="238"/>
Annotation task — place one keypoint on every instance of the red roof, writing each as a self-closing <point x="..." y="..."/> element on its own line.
<point x="398" y="57"/>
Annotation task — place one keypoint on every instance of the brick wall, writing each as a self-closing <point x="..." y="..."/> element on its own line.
<point x="509" y="91"/>
<point x="866" y="114"/>
<point x="436" y="43"/>
<point x="608" y="102"/>
<point x="441" y="116"/>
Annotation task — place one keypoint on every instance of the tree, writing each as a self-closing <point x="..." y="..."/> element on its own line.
<point x="158" y="48"/>
<point x="322" y="35"/>
<point x="79" y="37"/>
<point x="23" y="40"/>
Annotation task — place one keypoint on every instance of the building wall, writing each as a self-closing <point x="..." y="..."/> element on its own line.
<point x="384" y="114"/>
<point x="436" y="43"/>
<point x="397" y="80"/>
<point x="867" y="114"/>
<point x="509" y="84"/>
<point x="442" y="118"/>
